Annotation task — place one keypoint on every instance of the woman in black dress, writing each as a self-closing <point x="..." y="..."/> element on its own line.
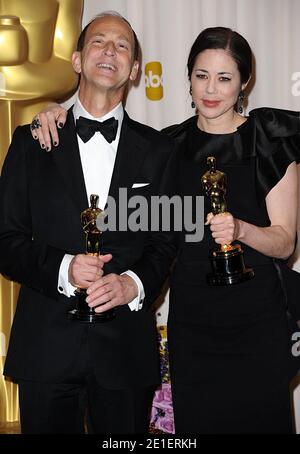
<point x="229" y="345"/>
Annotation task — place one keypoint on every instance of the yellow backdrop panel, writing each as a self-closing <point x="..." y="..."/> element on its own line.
<point x="36" y="43"/>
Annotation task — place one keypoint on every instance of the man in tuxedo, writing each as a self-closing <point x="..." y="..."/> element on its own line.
<point x="64" y="367"/>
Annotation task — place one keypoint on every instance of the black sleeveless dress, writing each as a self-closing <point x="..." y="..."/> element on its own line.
<point x="229" y="345"/>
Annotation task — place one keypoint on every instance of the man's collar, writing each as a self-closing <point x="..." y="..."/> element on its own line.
<point x="117" y="112"/>
<point x="80" y="111"/>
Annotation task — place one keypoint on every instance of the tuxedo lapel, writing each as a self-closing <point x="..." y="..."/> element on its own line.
<point x="132" y="151"/>
<point x="67" y="159"/>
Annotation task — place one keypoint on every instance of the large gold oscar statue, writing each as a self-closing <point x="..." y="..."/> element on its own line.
<point x="37" y="39"/>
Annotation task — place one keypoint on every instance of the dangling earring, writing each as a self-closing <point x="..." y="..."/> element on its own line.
<point x="193" y="105"/>
<point x="240" y="102"/>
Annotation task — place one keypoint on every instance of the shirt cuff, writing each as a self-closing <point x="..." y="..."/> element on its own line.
<point x="63" y="286"/>
<point x="137" y="303"/>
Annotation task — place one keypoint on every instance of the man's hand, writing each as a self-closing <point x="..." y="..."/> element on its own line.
<point x="46" y="123"/>
<point x="110" y="291"/>
<point x="85" y="269"/>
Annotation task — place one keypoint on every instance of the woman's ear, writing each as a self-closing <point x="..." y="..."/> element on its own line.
<point x="245" y="84"/>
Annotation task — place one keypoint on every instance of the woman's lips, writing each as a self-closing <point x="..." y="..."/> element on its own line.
<point x="209" y="103"/>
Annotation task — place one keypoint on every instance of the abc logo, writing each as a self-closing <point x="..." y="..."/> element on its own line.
<point x="154" y="81"/>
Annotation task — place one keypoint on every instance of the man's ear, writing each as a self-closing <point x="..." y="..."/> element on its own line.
<point x="76" y="61"/>
<point x="134" y="70"/>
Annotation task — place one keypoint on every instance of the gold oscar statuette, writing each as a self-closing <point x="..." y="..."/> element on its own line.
<point x="37" y="38"/>
<point x="228" y="261"/>
<point x="82" y="311"/>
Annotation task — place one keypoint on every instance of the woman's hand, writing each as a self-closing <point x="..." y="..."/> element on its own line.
<point x="45" y="124"/>
<point x="224" y="227"/>
<point x="276" y="240"/>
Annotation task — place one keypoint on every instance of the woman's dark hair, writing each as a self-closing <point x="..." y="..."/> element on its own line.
<point x="227" y="39"/>
<point x="81" y="39"/>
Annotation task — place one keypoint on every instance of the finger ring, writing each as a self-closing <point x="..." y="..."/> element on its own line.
<point x="35" y="124"/>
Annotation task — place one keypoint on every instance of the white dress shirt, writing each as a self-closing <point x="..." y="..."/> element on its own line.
<point x="97" y="159"/>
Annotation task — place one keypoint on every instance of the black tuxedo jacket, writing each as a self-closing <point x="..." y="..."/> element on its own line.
<point x="41" y="198"/>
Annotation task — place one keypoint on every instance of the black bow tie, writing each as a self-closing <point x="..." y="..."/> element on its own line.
<point x="86" y="128"/>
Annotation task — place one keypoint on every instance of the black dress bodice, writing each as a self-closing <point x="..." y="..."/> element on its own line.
<point x="254" y="158"/>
